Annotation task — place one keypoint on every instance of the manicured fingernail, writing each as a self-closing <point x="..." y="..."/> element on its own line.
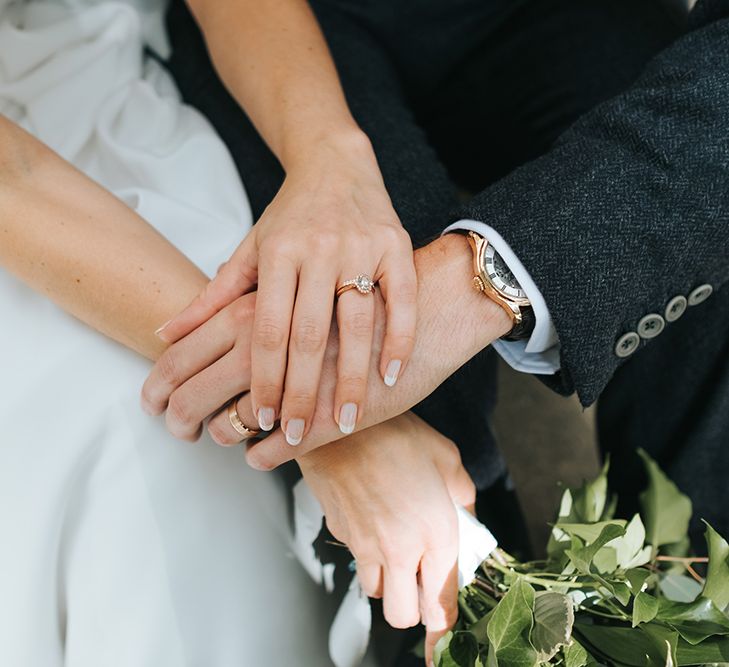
<point x="162" y="328"/>
<point x="347" y="418"/>
<point x="294" y="431"/>
<point x="392" y="371"/>
<point x="266" y="417"/>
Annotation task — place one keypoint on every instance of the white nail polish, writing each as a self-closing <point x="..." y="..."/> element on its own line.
<point x="347" y="418"/>
<point x="266" y="418"/>
<point x="294" y="431"/>
<point x="392" y="371"/>
<point x="162" y="328"/>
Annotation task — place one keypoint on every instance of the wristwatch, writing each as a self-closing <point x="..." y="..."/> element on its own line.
<point x="496" y="281"/>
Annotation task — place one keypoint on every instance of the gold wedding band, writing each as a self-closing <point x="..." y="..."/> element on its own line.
<point x="362" y="283"/>
<point x="237" y="423"/>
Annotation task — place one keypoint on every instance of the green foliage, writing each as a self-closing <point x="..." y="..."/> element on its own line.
<point x="510" y="626"/>
<point x="613" y="592"/>
<point x="716" y="587"/>
<point x="553" y="619"/>
<point x="666" y="510"/>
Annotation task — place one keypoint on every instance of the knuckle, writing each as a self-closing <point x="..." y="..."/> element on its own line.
<point x="220" y="434"/>
<point x="325" y="242"/>
<point x="299" y="402"/>
<point x="358" y="325"/>
<point x="168" y="368"/>
<point x="178" y="411"/>
<point x="352" y="384"/>
<point x="269" y="335"/>
<point x="308" y="337"/>
<point x="266" y="391"/>
<point x="243" y="311"/>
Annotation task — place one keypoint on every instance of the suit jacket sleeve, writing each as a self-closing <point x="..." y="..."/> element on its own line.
<point x="630" y="206"/>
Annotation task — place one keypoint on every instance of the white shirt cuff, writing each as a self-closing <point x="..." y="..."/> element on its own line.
<point x="539" y="354"/>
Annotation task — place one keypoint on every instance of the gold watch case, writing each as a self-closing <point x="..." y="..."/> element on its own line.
<point x="511" y="299"/>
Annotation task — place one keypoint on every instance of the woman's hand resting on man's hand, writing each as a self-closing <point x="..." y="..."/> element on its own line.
<point x="331" y="220"/>
<point x="388" y="493"/>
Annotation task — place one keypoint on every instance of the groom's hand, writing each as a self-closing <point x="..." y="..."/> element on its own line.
<point x="455" y="322"/>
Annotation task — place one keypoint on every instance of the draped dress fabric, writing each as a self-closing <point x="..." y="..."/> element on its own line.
<point x="120" y="546"/>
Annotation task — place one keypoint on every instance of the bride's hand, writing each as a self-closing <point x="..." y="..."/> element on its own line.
<point x="331" y="220"/>
<point x="388" y="493"/>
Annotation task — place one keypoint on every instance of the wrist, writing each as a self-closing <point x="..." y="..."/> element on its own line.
<point x="331" y="147"/>
<point x="450" y="302"/>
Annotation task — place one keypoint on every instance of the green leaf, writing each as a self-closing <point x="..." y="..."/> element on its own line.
<point x="664" y="638"/>
<point x="645" y="608"/>
<point x="636" y="578"/>
<point x="621" y="645"/>
<point x="589" y="501"/>
<point x="634" y="647"/>
<point x="582" y="557"/>
<point x="462" y="651"/>
<point x="441" y="647"/>
<point x="589" y="532"/>
<point x="575" y="655"/>
<point x="716" y="587"/>
<point x="694" y="621"/>
<point x="711" y="651"/>
<point x="679" y="587"/>
<point x="630" y="548"/>
<point x="553" y="619"/>
<point x="666" y="510"/>
<point x="510" y="626"/>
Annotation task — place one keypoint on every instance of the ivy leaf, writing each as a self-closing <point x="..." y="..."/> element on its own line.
<point x="461" y="651"/>
<point x="710" y="652"/>
<point x="441" y="647"/>
<point x="636" y="578"/>
<point x="645" y="608"/>
<point x="666" y="510"/>
<point x="582" y="557"/>
<point x="575" y="655"/>
<point x="553" y="619"/>
<point x="694" y="621"/>
<point x="716" y="587"/>
<point x="510" y="626"/>
<point x="630" y="549"/>
<point x="635" y="647"/>
<point x="590" y="500"/>
<point x="679" y="587"/>
<point x="588" y="532"/>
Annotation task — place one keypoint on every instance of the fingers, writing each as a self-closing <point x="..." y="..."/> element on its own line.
<point x="204" y="393"/>
<point x="399" y="289"/>
<point x="370" y="578"/>
<point x="309" y="334"/>
<point x="439" y="578"/>
<point x="193" y="353"/>
<point x="234" y="278"/>
<point x="222" y="431"/>
<point x="271" y="326"/>
<point x="355" y="318"/>
<point x="400" y="590"/>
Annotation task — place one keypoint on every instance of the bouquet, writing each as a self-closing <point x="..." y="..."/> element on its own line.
<point x="612" y="592"/>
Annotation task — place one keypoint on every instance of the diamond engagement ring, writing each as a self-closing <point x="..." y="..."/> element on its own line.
<point x="362" y="283"/>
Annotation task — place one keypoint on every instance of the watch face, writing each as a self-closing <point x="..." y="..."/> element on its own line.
<point x="501" y="277"/>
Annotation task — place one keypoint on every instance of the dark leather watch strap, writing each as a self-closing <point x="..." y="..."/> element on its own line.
<point x="524" y="329"/>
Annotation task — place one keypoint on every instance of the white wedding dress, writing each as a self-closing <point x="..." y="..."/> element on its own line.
<point x="120" y="546"/>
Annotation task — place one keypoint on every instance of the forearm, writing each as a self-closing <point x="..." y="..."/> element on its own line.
<point x="274" y="60"/>
<point x="74" y="242"/>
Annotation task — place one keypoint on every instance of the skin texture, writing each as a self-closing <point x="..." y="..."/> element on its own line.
<point x="331" y="220"/>
<point x="388" y="493"/>
<point x="74" y="242"/>
<point x="455" y="322"/>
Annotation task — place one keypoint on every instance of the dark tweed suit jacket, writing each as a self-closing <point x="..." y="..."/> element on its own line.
<point x="627" y="210"/>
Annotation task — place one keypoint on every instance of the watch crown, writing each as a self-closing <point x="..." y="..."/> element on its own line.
<point x="478" y="284"/>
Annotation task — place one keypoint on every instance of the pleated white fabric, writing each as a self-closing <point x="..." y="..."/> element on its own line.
<point x="119" y="546"/>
